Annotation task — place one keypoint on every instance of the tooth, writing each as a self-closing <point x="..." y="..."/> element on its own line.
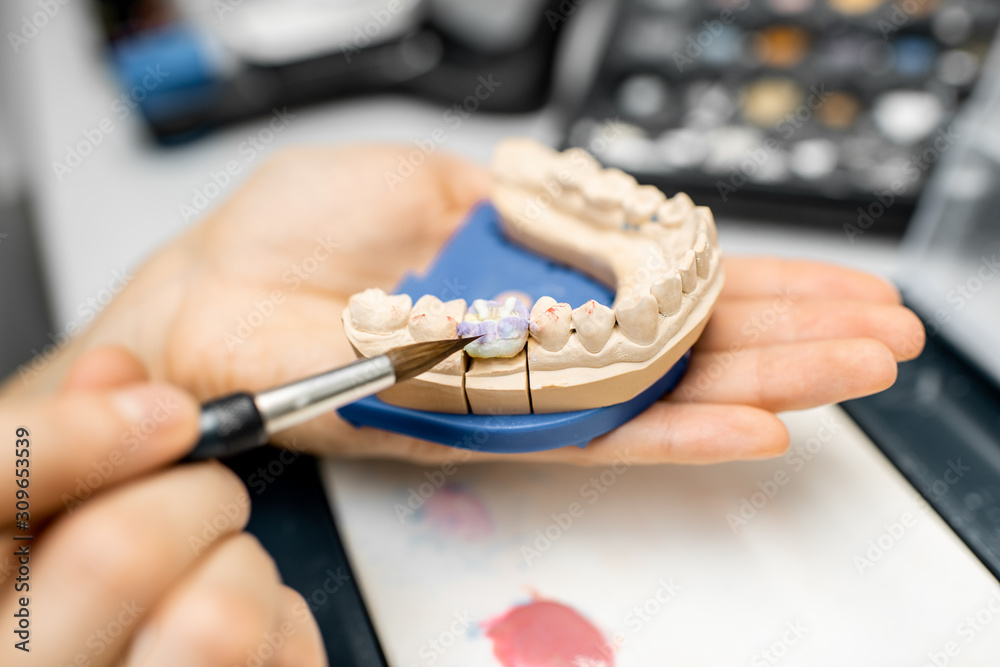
<point x="503" y="327"/>
<point x="551" y="323"/>
<point x="638" y="318"/>
<point x="642" y="204"/>
<point x="504" y="297"/>
<point x="543" y="304"/>
<point x="688" y="271"/>
<point x="524" y="161"/>
<point x="675" y="210"/>
<point x="373" y="311"/>
<point x="667" y="292"/>
<point x="707" y="223"/>
<point x="593" y="322"/>
<point x="574" y="165"/>
<point x="608" y="189"/>
<point x="431" y="319"/>
<point x="701" y="255"/>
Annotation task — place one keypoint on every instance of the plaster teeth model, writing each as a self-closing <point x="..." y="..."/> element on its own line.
<point x="661" y="255"/>
<point x="376" y="322"/>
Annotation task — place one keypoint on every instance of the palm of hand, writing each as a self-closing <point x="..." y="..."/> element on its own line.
<point x="275" y="265"/>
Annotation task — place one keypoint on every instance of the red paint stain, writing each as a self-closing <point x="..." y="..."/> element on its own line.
<point x="458" y="513"/>
<point x="548" y="634"/>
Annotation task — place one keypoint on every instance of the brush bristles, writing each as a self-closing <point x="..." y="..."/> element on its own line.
<point x="412" y="360"/>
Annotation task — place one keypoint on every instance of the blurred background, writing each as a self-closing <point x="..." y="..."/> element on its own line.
<point x="815" y="114"/>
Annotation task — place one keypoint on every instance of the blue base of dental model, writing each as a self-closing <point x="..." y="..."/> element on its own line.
<point x="480" y="262"/>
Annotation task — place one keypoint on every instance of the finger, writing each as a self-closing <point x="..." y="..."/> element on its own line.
<point x="683" y="433"/>
<point x="667" y="432"/>
<point x="762" y="277"/>
<point x="760" y="322"/>
<point x="793" y="376"/>
<point x="307" y="185"/>
<point x="303" y="642"/>
<point x="98" y="571"/>
<point x="223" y="612"/>
<point x="104" y="368"/>
<point x="85" y="442"/>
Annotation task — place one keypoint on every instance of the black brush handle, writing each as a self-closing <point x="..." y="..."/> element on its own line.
<point x="229" y="425"/>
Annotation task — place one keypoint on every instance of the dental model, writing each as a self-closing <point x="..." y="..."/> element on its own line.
<point x="661" y="255"/>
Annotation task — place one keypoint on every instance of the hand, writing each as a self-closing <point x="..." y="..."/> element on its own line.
<point x="131" y="561"/>
<point x="252" y="298"/>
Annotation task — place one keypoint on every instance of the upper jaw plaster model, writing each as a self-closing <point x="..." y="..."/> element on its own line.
<point x="660" y="254"/>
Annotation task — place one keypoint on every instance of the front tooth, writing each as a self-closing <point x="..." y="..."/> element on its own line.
<point x="551" y="323"/>
<point x="573" y="166"/>
<point x="374" y="311"/>
<point x="688" y="271"/>
<point x="675" y="210"/>
<point x="667" y="293"/>
<point x="707" y="223"/>
<point x="593" y="322"/>
<point x="432" y="319"/>
<point x="642" y="204"/>
<point x="638" y="318"/>
<point x="701" y="257"/>
<point x="608" y="189"/>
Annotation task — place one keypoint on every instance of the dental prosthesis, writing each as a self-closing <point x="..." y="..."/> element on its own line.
<point x="661" y="255"/>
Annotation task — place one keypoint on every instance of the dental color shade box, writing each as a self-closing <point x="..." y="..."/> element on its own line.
<point x="478" y="261"/>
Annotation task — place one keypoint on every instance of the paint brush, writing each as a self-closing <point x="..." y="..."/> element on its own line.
<point x="239" y="422"/>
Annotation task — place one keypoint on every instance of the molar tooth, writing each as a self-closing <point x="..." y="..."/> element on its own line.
<point x="667" y="292"/>
<point x="374" y="311"/>
<point x="688" y="271"/>
<point x="573" y="166"/>
<point x="551" y="323"/>
<point x="522" y="160"/>
<point x="642" y="204"/>
<point x="701" y="255"/>
<point x="675" y="210"/>
<point x="638" y="318"/>
<point x="431" y="319"/>
<point x="608" y="189"/>
<point x="502" y="325"/>
<point x="593" y="322"/>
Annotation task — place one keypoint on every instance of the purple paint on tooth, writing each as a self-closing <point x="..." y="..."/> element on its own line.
<point x="503" y="326"/>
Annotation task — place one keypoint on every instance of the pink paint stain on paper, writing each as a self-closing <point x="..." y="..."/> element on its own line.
<point x="458" y="513"/>
<point x="543" y="633"/>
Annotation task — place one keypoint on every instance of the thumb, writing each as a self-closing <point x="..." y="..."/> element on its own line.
<point x="78" y="443"/>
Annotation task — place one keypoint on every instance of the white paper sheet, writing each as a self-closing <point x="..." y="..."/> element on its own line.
<point x="662" y="562"/>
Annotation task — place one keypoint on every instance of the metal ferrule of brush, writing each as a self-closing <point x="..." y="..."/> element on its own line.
<point x="300" y="401"/>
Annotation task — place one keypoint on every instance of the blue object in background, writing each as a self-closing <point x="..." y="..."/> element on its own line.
<point x="915" y="55"/>
<point x="479" y="262"/>
<point x="166" y="70"/>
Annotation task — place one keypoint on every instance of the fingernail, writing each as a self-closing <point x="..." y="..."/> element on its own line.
<point x="152" y="405"/>
<point x="141" y="646"/>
